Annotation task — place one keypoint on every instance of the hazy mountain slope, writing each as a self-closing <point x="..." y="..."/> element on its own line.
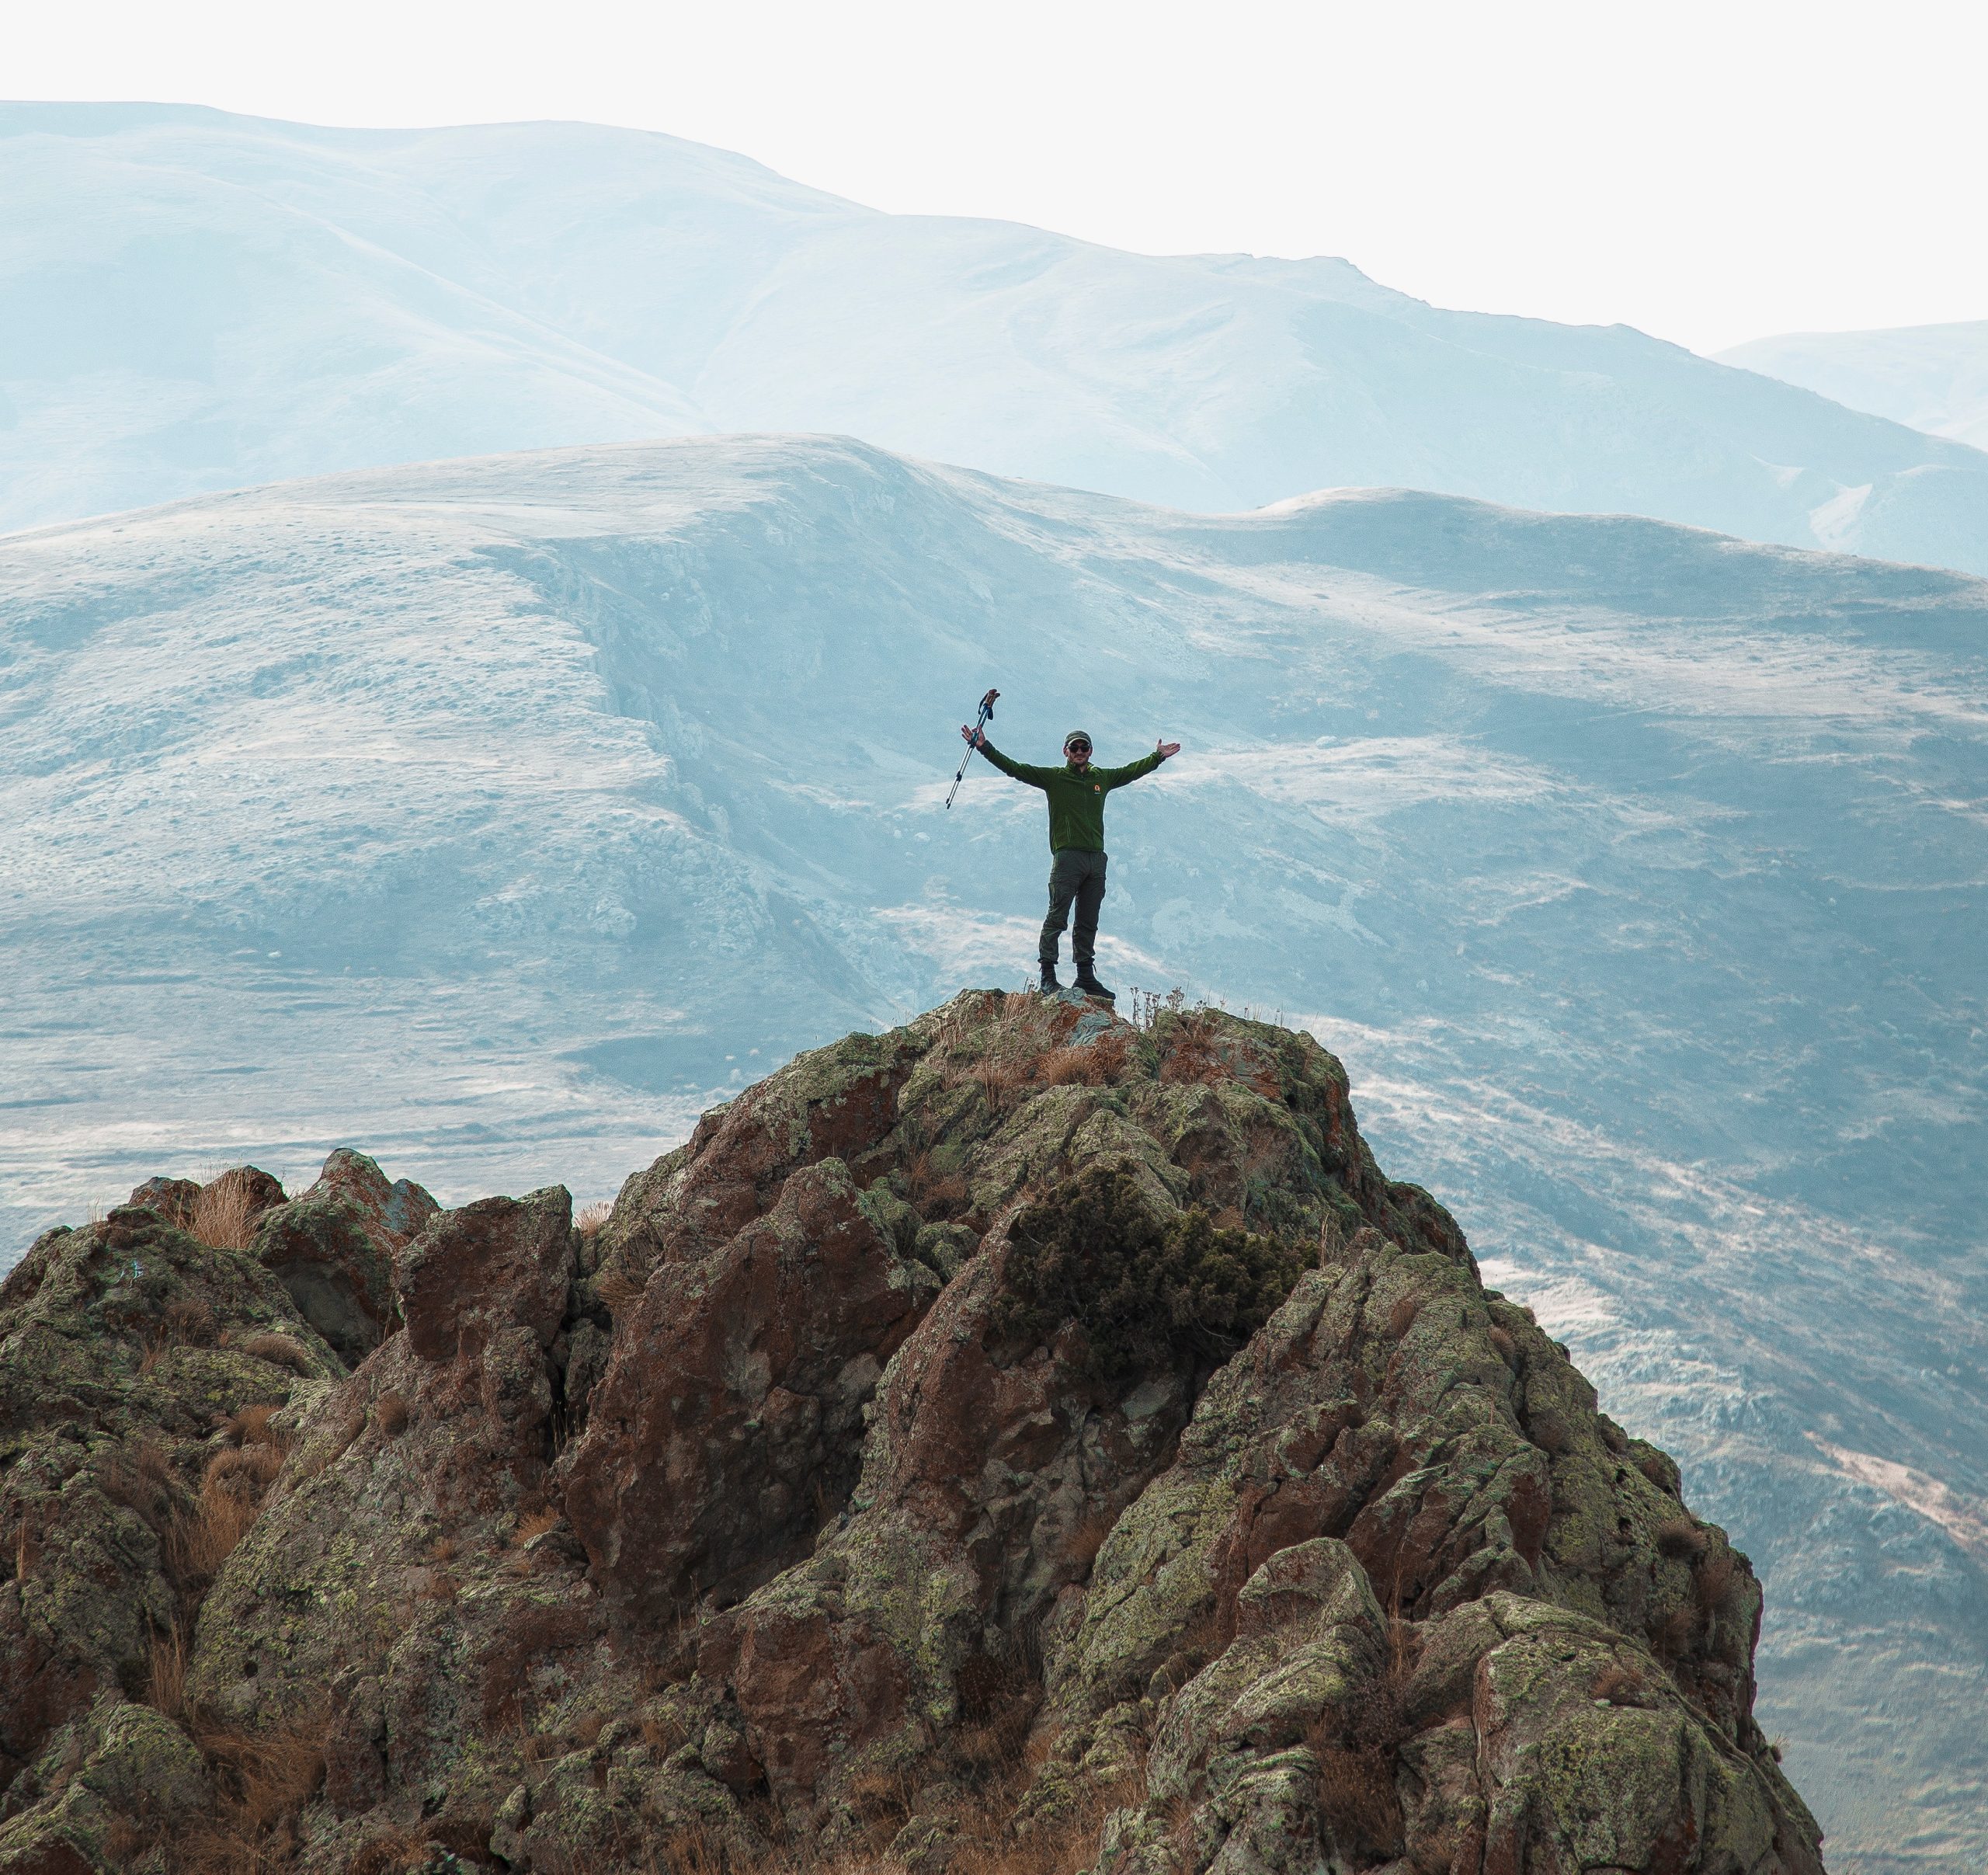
<point x="168" y="326"/>
<point x="1934" y="377"/>
<point x="491" y="812"/>
<point x="195" y="301"/>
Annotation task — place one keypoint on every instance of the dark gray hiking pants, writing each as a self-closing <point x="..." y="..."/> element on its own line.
<point x="1074" y="875"/>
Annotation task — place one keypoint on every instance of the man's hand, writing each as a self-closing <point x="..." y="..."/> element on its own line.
<point x="974" y="736"/>
<point x="1167" y="749"/>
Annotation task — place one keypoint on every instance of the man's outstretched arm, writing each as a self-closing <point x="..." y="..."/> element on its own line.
<point x="1117" y="777"/>
<point x="1022" y="771"/>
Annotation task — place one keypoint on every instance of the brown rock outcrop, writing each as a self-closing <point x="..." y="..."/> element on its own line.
<point x="1021" y="1435"/>
<point x="726" y="1430"/>
<point x="333" y="1247"/>
<point x="836" y="1103"/>
<point x="497" y="1265"/>
<point x="120" y="1345"/>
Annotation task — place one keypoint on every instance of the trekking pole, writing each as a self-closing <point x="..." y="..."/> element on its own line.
<point x="979" y="723"/>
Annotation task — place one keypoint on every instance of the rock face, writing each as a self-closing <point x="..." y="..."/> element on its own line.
<point x="1021" y="1434"/>
<point x="726" y="1428"/>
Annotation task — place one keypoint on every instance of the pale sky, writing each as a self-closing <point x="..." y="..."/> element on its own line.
<point x="1708" y="172"/>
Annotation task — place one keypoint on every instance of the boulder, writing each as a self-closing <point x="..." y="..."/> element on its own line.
<point x="838" y="1103"/>
<point x="173" y="1199"/>
<point x="333" y="1247"/>
<point x="498" y="1265"/>
<point x="114" y="1785"/>
<point x="998" y="1456"/>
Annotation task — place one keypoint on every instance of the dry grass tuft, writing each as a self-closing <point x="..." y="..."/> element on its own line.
<point x="1357" y="1801"/>
<point x="1508" y="1348"/>
<point x="390" y="1414"/>
<point x="934" y="1193"/>
<point x="1680" y="1538"/>
<point x="619" y="1289"/>
<point x="394" y="1851"/>
<point x="1100" y="1064"/>
<point x="249" y="1425"/>
<point x="262" y="1781"/>
<point x="280" y="1350"/>
<point x="200" y="1536"/>
<point x="208" y="1538"/>
<point x="154" y="1465"/>
<point x="140" y="1478"/>
<point x="1355" y="1746"/>
<point x="987" y="1844"/>
<point x="1088" y="1538"/>
<point x="691" y="1851"/>
<point x="1619" y="1685"/>
<point x="592" y="1216"/>
<point x="534" y="1523"/>
<point x="662" y="1734"/>
<point x="224" y="1214"/>
<point x="1072" y="1067"/>
<point x="542" y="1748"/>
<point x="882" y="1800"/>
<point x="1002" y="1082"/>
<point x="245" y="1468"/>
<point x="1711" y="1582"/>
<point x="1672" y="1636"/>
<point x="166" y="1678"/>
<point x="1192" y="1056"/>
<point x="190" y="1321"/>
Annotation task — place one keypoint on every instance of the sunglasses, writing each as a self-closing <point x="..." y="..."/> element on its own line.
<point x="1076" y="748"/>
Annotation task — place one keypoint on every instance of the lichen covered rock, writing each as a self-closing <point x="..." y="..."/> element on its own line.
<point x="122" y="1345"/>
<point x="1021" y="1434"/>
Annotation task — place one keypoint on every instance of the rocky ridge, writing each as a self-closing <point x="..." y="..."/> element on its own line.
<point x="1026" y="1440"/>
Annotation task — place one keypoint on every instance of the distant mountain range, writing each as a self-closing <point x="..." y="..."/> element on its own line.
<point x="191" y="301"/>
<point x="500" y="815"/>
<point x="1934" y="377"/>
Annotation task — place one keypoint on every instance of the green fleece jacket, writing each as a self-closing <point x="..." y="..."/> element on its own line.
<point x="1076" y="799"/>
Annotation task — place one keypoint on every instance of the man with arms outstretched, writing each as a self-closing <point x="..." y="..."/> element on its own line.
<point x="1076" y="792"/>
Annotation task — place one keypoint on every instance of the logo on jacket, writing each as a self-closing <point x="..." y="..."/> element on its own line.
<point x="1097" y="787"/>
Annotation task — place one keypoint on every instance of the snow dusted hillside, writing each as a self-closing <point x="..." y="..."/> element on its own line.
<point x="494" y="815"/>
<point x="194" y="301"/>
<point x="1934" y="377"/>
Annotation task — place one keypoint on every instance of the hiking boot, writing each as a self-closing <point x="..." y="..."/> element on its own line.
<point x="1087" y="982"/>
<point x="1049" y="984"/>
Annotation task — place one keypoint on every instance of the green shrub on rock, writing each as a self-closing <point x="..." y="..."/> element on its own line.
<point x="1148" y="1293"/>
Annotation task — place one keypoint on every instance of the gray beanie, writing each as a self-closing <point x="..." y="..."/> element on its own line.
<point x="1076" y="735"/>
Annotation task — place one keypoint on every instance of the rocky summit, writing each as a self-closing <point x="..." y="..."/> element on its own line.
<point x="1023" y="1441"/>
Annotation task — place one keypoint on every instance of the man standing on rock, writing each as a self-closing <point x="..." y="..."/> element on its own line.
<point x="1076" y="792"/>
